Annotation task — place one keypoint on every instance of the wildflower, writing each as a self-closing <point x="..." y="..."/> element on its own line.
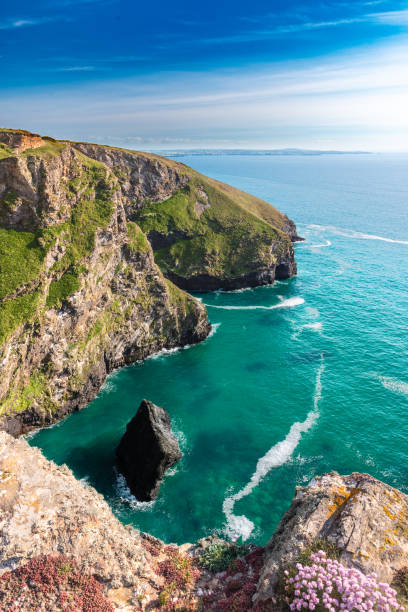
<point x="338" y="588"/>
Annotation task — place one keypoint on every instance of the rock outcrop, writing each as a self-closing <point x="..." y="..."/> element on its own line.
<point x="44" y="509"/>
<point x="20" y="140"/>
<point x="57" y="522"/>
<point x="364" y="518"/>
<point x="147" y="449"/>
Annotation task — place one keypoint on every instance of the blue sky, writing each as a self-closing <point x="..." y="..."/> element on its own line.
<point x="256" y="74"/>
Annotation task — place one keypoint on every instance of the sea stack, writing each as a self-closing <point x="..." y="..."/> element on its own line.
<point x="147" y="449"/>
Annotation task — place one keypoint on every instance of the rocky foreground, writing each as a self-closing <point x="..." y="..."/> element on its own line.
<point x="52" y="525"/>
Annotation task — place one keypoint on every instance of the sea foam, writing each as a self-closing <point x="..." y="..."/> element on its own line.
<point x="356" y="235"/>
<point x="393" y="384"/>
<point x="290" y="302"/>
<point x="280" y="453"/>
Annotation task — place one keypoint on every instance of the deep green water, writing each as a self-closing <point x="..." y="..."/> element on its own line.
<point x="301" y="378"/>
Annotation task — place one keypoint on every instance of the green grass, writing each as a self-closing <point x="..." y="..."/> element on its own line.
<point x="22" y="254"/>
<point x="225" y="241"/>
<point x="21" y="259"/>
<point x="5" y="151"/>
<point x="49" y="150"/>
<point x="61" y="289"/>
<point x="14" y="313"/>
<point x="218" y="556"/>
<point x="20" y="400"/>
<point x="92" y="212"/>
<point x="26" y="132"/>
<point x="138" y="243"/>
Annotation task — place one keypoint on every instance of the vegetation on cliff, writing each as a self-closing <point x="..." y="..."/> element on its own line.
<point x="79" y="290"/>
<point x="202" y="231"/>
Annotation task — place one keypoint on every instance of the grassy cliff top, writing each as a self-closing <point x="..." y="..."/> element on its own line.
<point x="256" y="206"/>
<point x="198" y="226"/>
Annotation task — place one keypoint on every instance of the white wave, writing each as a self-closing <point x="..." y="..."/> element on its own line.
<point x="319" y="246"/>
<point x="107" y="387"/>
<point x="316" y="246"/>
<point x="124" y="494"/>
<point x="214" y="328"/>
<point x="312" y="312"/>
<point x="357" y="235"/>
<point x="290" y="302"/>
<point x="279" y="454"/>
<point x="393" y="384"/>
<point x="164" y="352"/>
<point x="181" y="438"/>
<point x="316" y="327"/>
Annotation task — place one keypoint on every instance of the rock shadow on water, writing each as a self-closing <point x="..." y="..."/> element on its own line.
<point x="256" y="366"/>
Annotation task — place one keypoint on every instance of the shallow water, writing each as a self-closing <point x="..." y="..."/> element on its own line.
<point x="298" y="379"/>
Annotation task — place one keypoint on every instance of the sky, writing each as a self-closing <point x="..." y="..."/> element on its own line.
<point x="330" y="74"/>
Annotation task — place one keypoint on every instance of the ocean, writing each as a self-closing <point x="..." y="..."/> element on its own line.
<point x="301" y="378"/>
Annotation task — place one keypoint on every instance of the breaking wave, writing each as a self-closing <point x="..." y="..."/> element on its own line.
<point x="317" y="327"/>
<point x="279" y="454"/>
<point x="290" y="302"/>
<point x="124" y="494"/>
<point x="327" y="243"/>
<point x="357" y="235"/>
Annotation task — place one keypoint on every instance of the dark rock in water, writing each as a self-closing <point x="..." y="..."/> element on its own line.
<point x="147" y="450"/>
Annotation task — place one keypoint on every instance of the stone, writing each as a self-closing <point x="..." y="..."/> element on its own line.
<point x="147" y="450"/>
<point x="366" y="519"/>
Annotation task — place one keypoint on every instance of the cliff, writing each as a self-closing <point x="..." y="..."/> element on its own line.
<point x="82" y="229"/>
<point x="206" y="235"/>
<point x="80" y="293"/>
<point x="50" y="522"/>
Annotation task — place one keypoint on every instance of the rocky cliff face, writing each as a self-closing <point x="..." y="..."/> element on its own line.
<point x="80" y="291"/>
<point x="44" y="510"/>
<point x="206" y="235"/>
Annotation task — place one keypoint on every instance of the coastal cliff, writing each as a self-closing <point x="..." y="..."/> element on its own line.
<point x="80" y="293"/>
<point x="91" y="238"/>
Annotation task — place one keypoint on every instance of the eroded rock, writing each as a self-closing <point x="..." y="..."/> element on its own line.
<point x="366" y="519"/>
<point x="147" y="450"/>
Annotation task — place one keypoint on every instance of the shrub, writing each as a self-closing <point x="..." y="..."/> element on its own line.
<point x="180" y="574"/>
<point x="326" y="585"/>
<point x="219" y="555"/>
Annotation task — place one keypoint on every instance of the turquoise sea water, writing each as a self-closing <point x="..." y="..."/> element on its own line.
<point x="298" y="379"/>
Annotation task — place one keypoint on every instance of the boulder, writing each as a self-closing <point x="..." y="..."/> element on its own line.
<point x="147" y="449"/>
<point x="366" y="519"/>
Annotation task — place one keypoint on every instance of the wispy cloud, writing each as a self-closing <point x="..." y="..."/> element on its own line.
<point x="25" y="22"/>
<point x="397" y="18"/>
<point x="394" y="18"/>
<point x="76" y="69"/>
